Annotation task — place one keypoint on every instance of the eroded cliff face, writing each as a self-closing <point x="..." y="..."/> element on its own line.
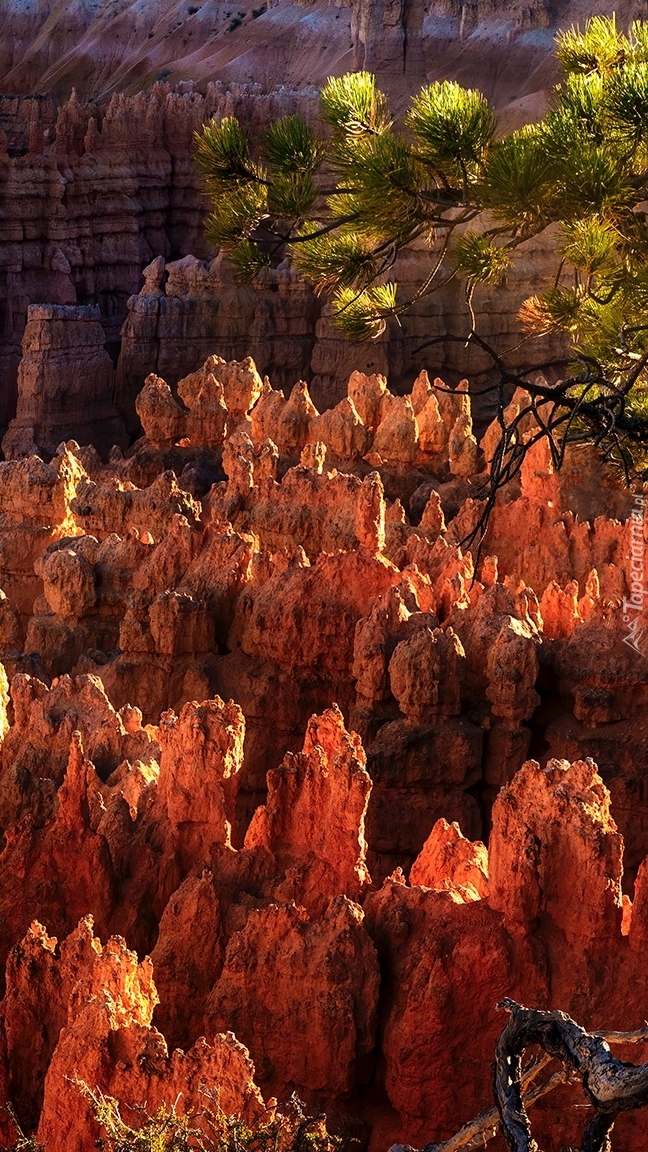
<point x="96" y="194"/>
<point x="187" y="307"/>
<point x="92" y="191"/>
<point x="506" y="48"/>
<point x="263" y="722"/>
<point x="65" y="384"/>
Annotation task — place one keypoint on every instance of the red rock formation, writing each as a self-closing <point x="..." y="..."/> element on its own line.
<point x="287" y="976"/>
<point x="201" y="307"/>
<point x="102" y="509"/>
<point x="36" y="748"/>
<point x="539" y="822"/>
<point x="337" y="589"/>
<point x="109" y="1045"/>
<point x="161" y="416"/>
<point x="202" y="752"/>
<point x="444" y="960"/>
<point x="62" y="871"/>
<point x="35" y="508"/>
<point x="188" y="957"/>
<point x="448" y="860"/>
<point x="313" y="820"/>
<point x="555" y="822"/>
<point x="425" y="674"/>
<point x="65" y="384"/>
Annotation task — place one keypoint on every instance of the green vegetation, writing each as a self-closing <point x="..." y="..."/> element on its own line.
<point x="283" y="1128"/>
<point x="344" y="204"/>
<point x="22" y="1143"/>
<point x="286" y="1128"/>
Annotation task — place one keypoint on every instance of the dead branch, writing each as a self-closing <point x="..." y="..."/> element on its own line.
<point x="476" y="1133"/>
<point x="610" y="1085"/>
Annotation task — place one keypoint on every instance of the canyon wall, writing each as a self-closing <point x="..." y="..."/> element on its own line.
<point x="191" y="307"/>
<point x="98" y="181"/>
<point x="505" y="49"/>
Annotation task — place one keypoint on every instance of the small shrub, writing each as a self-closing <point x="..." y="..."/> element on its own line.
<point x="283" y="1128"/>
<point x="22" y="1143"/>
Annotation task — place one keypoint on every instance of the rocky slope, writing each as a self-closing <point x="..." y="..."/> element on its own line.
<point x="305" y="865"/>
<point x="102" y="48"/>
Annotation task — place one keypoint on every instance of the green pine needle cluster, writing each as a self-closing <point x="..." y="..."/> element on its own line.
<point x="453" y="127"/>
<point x="480" y="259"/>
<point x="363" y="314"/>
<point x="353" y="106"/>
<point x="336" y="261"/>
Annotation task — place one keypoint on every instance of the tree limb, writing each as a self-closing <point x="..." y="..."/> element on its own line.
<point x="610" y="1085"/>
<point x="476" y="1133"/>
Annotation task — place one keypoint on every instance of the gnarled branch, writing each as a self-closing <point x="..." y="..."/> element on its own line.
<point x="610" y="1085"/>
<point x="476" y="1133"/>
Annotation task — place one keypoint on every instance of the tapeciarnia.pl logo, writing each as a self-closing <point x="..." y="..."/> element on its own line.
<point x="633" y="605"/>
